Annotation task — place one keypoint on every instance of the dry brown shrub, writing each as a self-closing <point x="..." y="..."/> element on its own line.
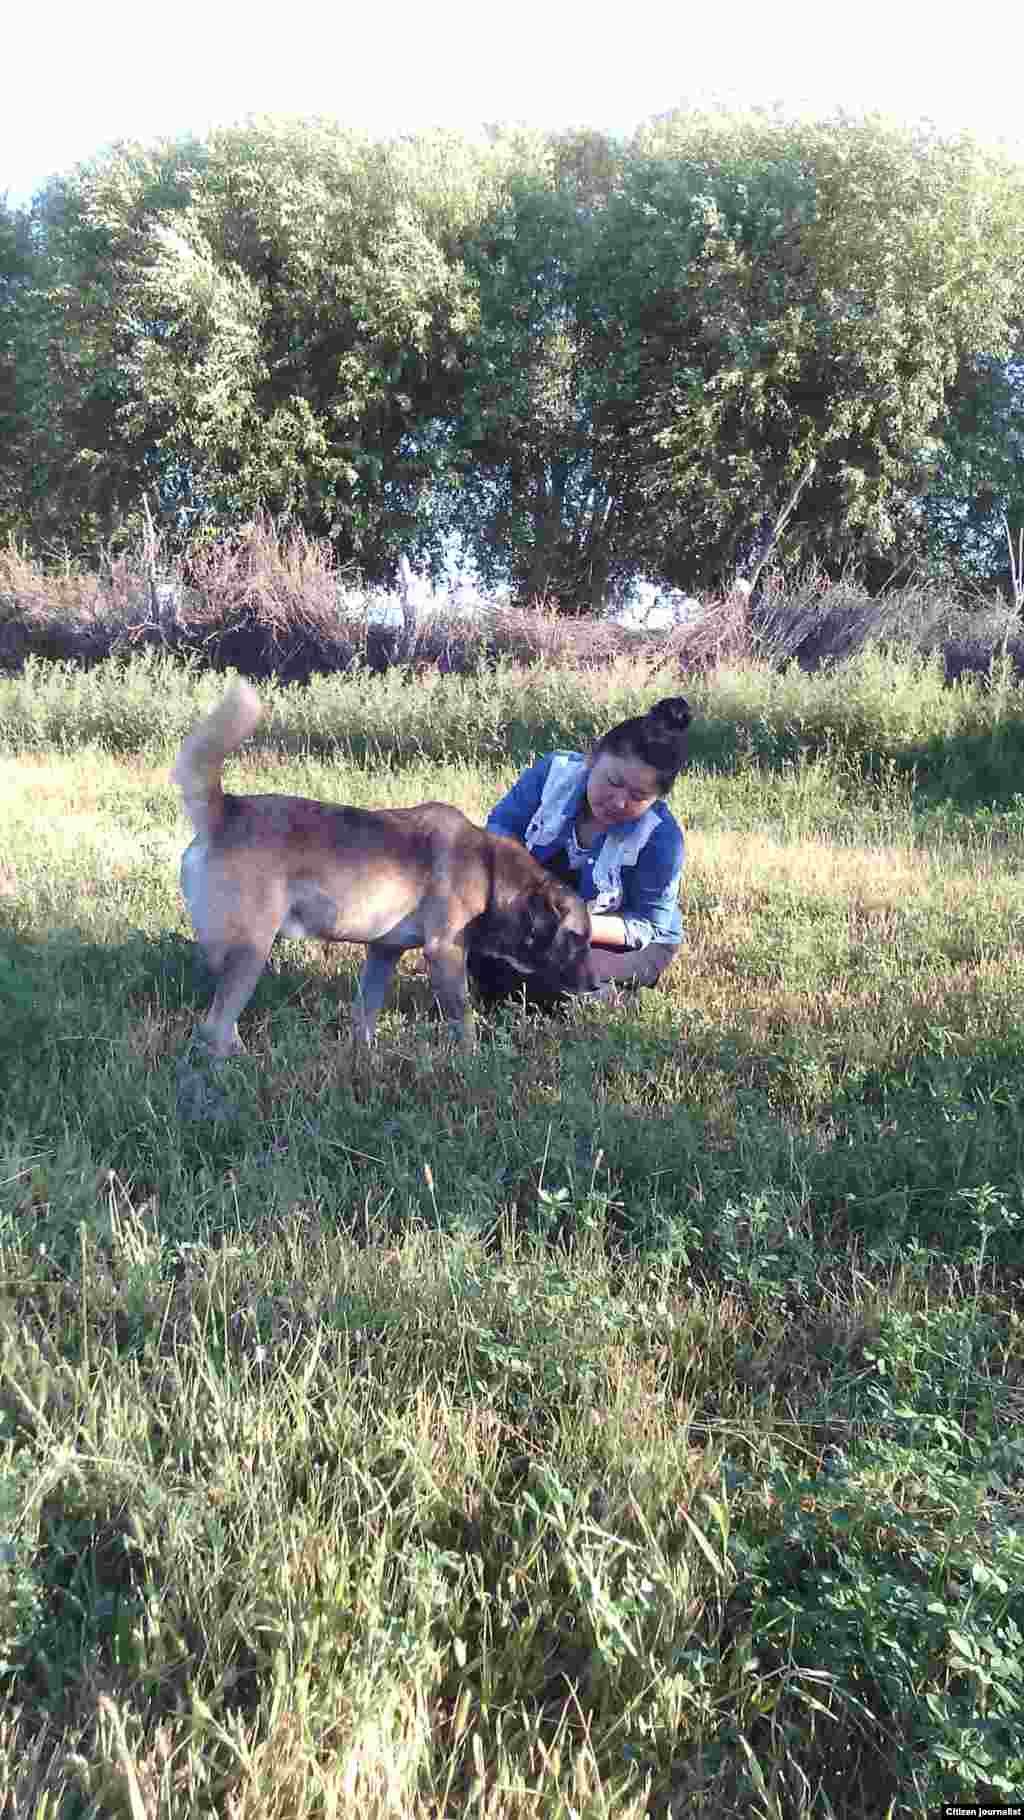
<point x="814" y="620"/>
<point x="273" y="602"/>
<point x="288" y="583"/>
<point x="53" y="614"/>
<point x="722" y="634"/>
<point x="528" y="635"/>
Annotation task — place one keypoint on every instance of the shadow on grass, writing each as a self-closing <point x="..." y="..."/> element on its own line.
<point x="67" y="992"/>
<point x="701" y="1154"/>
<point x="971" y="771"/>
<point x="967" y="771"/>
<point x="99" y="1072"/>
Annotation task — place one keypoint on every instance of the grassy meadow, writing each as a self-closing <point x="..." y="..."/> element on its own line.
<point x="625" y="1420"/>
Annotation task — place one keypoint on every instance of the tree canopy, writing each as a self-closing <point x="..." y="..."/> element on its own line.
<point x="733" y="335"/>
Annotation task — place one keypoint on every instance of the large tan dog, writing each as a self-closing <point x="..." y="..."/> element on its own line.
<point x="262" y="866"/>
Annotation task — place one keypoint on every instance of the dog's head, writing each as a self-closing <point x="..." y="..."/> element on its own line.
<point x="541" y="928"/>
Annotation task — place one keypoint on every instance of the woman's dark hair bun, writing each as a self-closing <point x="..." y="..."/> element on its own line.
<point x="657" y="738"/>
<point x="670" y="716"/>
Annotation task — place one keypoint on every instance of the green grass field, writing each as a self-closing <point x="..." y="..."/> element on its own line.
<point x="625" y="1420"/>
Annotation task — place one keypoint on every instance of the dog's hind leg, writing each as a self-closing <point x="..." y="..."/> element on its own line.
<point x="238" y="970"/>
<point x="372" y="990"/>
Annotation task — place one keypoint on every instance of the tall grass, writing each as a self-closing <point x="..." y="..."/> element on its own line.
<point x="887" y="724"/>
<point x="624" y="1420"/>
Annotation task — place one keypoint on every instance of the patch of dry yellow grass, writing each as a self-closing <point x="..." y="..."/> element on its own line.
<point x="748" y="866"/>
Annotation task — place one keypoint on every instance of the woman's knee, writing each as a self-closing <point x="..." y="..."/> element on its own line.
<point x="634" y="967"/>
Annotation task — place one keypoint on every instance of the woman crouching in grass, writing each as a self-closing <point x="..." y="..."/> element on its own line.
<point x="599" y="822"/>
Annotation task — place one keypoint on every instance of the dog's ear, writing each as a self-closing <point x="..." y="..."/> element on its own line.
<point x="541" y="923"/>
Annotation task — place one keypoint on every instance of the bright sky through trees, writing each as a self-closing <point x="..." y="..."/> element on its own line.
<point x="79" y="76"/>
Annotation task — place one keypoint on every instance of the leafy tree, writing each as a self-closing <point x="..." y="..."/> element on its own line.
<point x="732" y="338"/>
<point x="735" y="336"/>
<point x="81" y="463"/>
<point x="842" y="273"/>
<point x="264" y="319"/>
<point x="303" y="323"/>
<point x="977" y="492"/>
<point x="519" y="442"/>
<point x="24" y="335"/>
<point x="14" y="271"/>
<point x="550" y="464"/>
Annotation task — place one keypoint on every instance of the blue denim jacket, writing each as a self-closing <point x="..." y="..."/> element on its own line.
<point x="649" y="905"/>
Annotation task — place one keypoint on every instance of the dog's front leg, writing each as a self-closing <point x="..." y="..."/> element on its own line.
<point x="372" y="990"/>
<point x="447" y="962"/>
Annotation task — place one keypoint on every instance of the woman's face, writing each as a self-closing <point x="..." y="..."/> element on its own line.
<point x="620" y="788"/>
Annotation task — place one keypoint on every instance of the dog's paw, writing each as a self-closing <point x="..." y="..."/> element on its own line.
<point x="214" y="1046"/>
<point x="198" y="1095"/>
<point x="594" y="995"/>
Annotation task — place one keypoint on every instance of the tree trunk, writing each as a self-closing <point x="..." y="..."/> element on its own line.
<point x="750" y="581"/>
<point x="410" y="613"/>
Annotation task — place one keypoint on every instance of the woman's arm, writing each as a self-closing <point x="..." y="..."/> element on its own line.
<point x="650" y="891"/>
<point x="608" y="932"/>
<point x="517" y="808"/>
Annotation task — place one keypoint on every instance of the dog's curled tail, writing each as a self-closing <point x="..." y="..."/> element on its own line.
<point x="201" y="757"/>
